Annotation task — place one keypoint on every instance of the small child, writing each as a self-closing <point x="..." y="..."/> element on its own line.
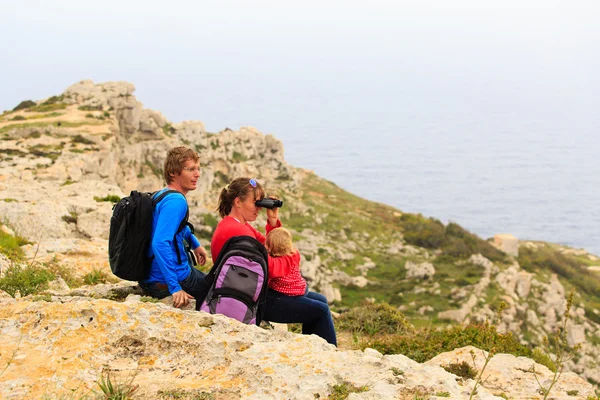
<point x="279" y="243"/>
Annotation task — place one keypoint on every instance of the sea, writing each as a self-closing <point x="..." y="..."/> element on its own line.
<point x="512" y="161"/>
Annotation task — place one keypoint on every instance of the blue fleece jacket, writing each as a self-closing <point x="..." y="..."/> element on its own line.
<point x="167" y="216"/>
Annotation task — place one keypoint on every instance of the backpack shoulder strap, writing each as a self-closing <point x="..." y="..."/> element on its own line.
<point x="182" y="224"/>
<point x="157" y="199"/>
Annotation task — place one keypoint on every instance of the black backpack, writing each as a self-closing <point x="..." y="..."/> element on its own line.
<point x="236" y="285"/>
<point x="131" y="232"/>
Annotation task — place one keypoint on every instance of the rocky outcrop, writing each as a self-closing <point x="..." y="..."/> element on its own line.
<point x="63" y="347"/>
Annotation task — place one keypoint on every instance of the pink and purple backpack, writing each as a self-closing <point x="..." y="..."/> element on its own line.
<point x="237" y="283"/>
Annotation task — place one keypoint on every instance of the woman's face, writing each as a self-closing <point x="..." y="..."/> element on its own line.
<point x="248" y="208"/>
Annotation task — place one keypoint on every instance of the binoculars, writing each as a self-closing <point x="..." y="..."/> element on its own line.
<point x="269" y="203"/>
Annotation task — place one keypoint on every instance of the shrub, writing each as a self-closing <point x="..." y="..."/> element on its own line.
<point x="116" y="390"/>
<point x="109" y="197"/>
<point x="563" y="265"/>
<point x="24" y="104"/>
<point x="90" y="108"/>
<point x="26" y="281"/>
<point x="81" y="139"/>
<point x="18" y="118"/>
<point x="474" y="244"/>
<point x="426" y="343"/>
<point x="238" y="157"/>
<point x="423" y="232"/>
<point x="343" y="390"/>
<point x="10" y="246"/>
<point x="374" y="319"/>
<point x="95" y="277"/>
<point x="462" y="369"/>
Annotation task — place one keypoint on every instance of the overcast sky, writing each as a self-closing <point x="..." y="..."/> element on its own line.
<point x="211" y="60"/>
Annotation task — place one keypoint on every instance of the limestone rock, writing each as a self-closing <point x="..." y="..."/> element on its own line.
<point x="61" y="349"/>
<point x="504" y="370"/>
<point x="419" y="271"/>
<point x="507" y="243"/>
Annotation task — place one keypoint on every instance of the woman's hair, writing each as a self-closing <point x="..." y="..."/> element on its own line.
<point x="242" y="188"/>
<point x="279" y="242"/>
<point x="176" y="158"/>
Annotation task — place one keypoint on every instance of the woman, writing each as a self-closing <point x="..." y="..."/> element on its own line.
<point x="237" y="208"/>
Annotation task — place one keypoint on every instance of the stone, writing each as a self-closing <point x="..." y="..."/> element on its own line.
<point x="507" y="243"/>
<point x="419" y="271"/>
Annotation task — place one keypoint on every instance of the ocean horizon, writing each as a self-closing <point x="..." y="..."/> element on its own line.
<point x="482" y="113"/>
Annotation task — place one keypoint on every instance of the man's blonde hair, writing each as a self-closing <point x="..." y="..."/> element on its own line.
<point x="279" y="242"/>
<point x="176" y="158"/>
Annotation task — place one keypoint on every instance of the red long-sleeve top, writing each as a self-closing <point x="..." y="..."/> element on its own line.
<point x="230" y="227"/>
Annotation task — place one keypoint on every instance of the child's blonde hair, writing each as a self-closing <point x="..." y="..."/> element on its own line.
<point x="279" y="242"/>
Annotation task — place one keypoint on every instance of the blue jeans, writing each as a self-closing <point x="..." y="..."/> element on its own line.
<point x="311" y="310"/>
<point x="193" y="285"/>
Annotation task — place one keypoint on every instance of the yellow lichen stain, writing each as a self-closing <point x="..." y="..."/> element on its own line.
<point x="269" y="370"/>
<point x="147" y="361"/>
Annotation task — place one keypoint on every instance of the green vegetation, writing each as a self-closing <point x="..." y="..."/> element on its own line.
<point x="148" y="299"/>
<point x="238" y="157"/>
<point x="109" y="197"/>
<point x="193" y="394"/>
<point x="557" y="344"/>
<point x="168" y="129"/>
<point x="565" y="266"/>
<point x="25" y="280"/>
<point x="155" y="169"/>
<point x="48" y="151"/>
<point x="71" y="218"/>
<point x="374" y="319"/>
<point x="10" y="246"/>
<point x="90" y="108"/>
<point x="462" y="369"/>
<point x="454" y="241"/>
<point x="24" y="104"/>
<point x="18" y="118"/>
<point x="425" y="343"/>
<point x="114" y="390"/>
<point x="64" y="124"/>
<point x="95" y="277"/>
<point x="81" y="139"/>
<point x="342" y="391"/>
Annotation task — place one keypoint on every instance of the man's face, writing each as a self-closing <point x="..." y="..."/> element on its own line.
<point x="188" y="178"/>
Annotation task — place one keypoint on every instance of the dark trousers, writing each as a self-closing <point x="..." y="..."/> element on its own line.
<point x="193" y="285"/>
<point x="311" y="310"/>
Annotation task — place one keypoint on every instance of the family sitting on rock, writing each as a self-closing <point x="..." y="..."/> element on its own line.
<point x="288" y="299"/>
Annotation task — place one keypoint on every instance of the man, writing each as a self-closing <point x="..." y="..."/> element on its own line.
<point x="170" y="272"/>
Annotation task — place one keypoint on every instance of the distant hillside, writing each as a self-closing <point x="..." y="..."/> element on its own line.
<point x="63" y="160"/>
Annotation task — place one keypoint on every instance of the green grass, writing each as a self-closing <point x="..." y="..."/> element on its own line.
<point x="64" y="124"/>
<point x="568" y="267"/>
<point x="108" y="198"/>
<point x="374" y="318"/>
<point x="25" y="280"/>
<point x="95" y="277"/>
<point x="90" y="108"/>
<point x="10" y="246"/>
<point x="238" y="157"/>
<point x="343" y="390"/>
<point x="24" y="104"/>
<point x="387" y="330"/>
<point x="462" y="369"/>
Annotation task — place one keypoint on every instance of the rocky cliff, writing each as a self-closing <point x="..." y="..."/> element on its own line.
<point x="63" y="158"/>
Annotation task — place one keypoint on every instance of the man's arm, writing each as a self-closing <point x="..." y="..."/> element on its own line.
<point x="171" y="213"/>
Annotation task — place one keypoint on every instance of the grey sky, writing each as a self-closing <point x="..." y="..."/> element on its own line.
<point x="187" y="58"/>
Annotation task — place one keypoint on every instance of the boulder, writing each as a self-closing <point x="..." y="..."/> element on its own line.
<point x="507" y="243"/>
